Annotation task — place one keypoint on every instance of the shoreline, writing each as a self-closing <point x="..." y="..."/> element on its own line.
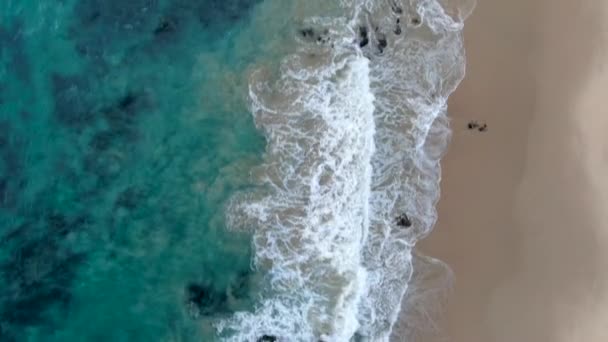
<point x="520" y="217"/>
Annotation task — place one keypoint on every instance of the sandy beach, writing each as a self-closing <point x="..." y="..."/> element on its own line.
<point x="524" y="207"/>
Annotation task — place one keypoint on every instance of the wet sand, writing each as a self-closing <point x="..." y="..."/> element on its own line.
<point x="523" y="218"/>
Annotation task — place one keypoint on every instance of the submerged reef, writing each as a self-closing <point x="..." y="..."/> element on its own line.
<point x="94" y="161"/>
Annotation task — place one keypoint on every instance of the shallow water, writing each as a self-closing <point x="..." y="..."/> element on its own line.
<point x="141" y="200"/>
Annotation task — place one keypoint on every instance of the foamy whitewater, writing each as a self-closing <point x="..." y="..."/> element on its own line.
<point x="355" y="122"/>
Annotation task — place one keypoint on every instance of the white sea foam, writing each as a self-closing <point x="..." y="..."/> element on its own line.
<point x="354" y="136"/>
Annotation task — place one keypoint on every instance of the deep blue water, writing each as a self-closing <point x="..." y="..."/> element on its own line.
<point x="117" y="155"/>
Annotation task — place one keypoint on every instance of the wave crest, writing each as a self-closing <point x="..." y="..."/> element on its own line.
<point x="356" y="124"/>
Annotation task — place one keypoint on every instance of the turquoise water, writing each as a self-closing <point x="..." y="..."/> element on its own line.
<point x="118" y="152"/>
<point x="235" y="170"/>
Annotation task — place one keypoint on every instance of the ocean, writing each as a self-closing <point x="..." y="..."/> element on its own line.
<point x="219" y="170"/>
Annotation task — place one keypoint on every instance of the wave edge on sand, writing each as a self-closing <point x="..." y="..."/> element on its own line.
<point x="355" y="123"/>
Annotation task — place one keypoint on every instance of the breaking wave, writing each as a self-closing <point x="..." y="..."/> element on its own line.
<point x="355" y="123"/>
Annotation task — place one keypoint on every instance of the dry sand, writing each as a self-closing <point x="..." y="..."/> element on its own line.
<point x="523" y="219"/>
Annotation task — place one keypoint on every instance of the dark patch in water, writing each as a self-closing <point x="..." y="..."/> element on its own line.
<point x="90" y="19"/>
<point x="398" y="27"/>
<point x="363" y="36"/>
<point x="130" y="198"/>
<point x="39" y="273"/>
<point x="317" y="36"/>
<point x="358" y="337"/>
<point x="127" y="102"/>
<point x="396" y="8"/>
<point x="122" y="115"/>
<point x="267" y="338"/>
<point x="38" y="278"/>
<point x="110" y="149"/>
<point x="205" y="299"/>
<point x="404" y="221"/>
<point x="106" y="27"/>
<point x="165" y="27"/>
<point x="11" y="166"/>
<point x="4" y="133"/>
<point x="4" y="192"/>
<point x="307" y="32"/>
<point x="415" y="20"/>
<point x="57" y="224"/>
<point x="382" y="42"/>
